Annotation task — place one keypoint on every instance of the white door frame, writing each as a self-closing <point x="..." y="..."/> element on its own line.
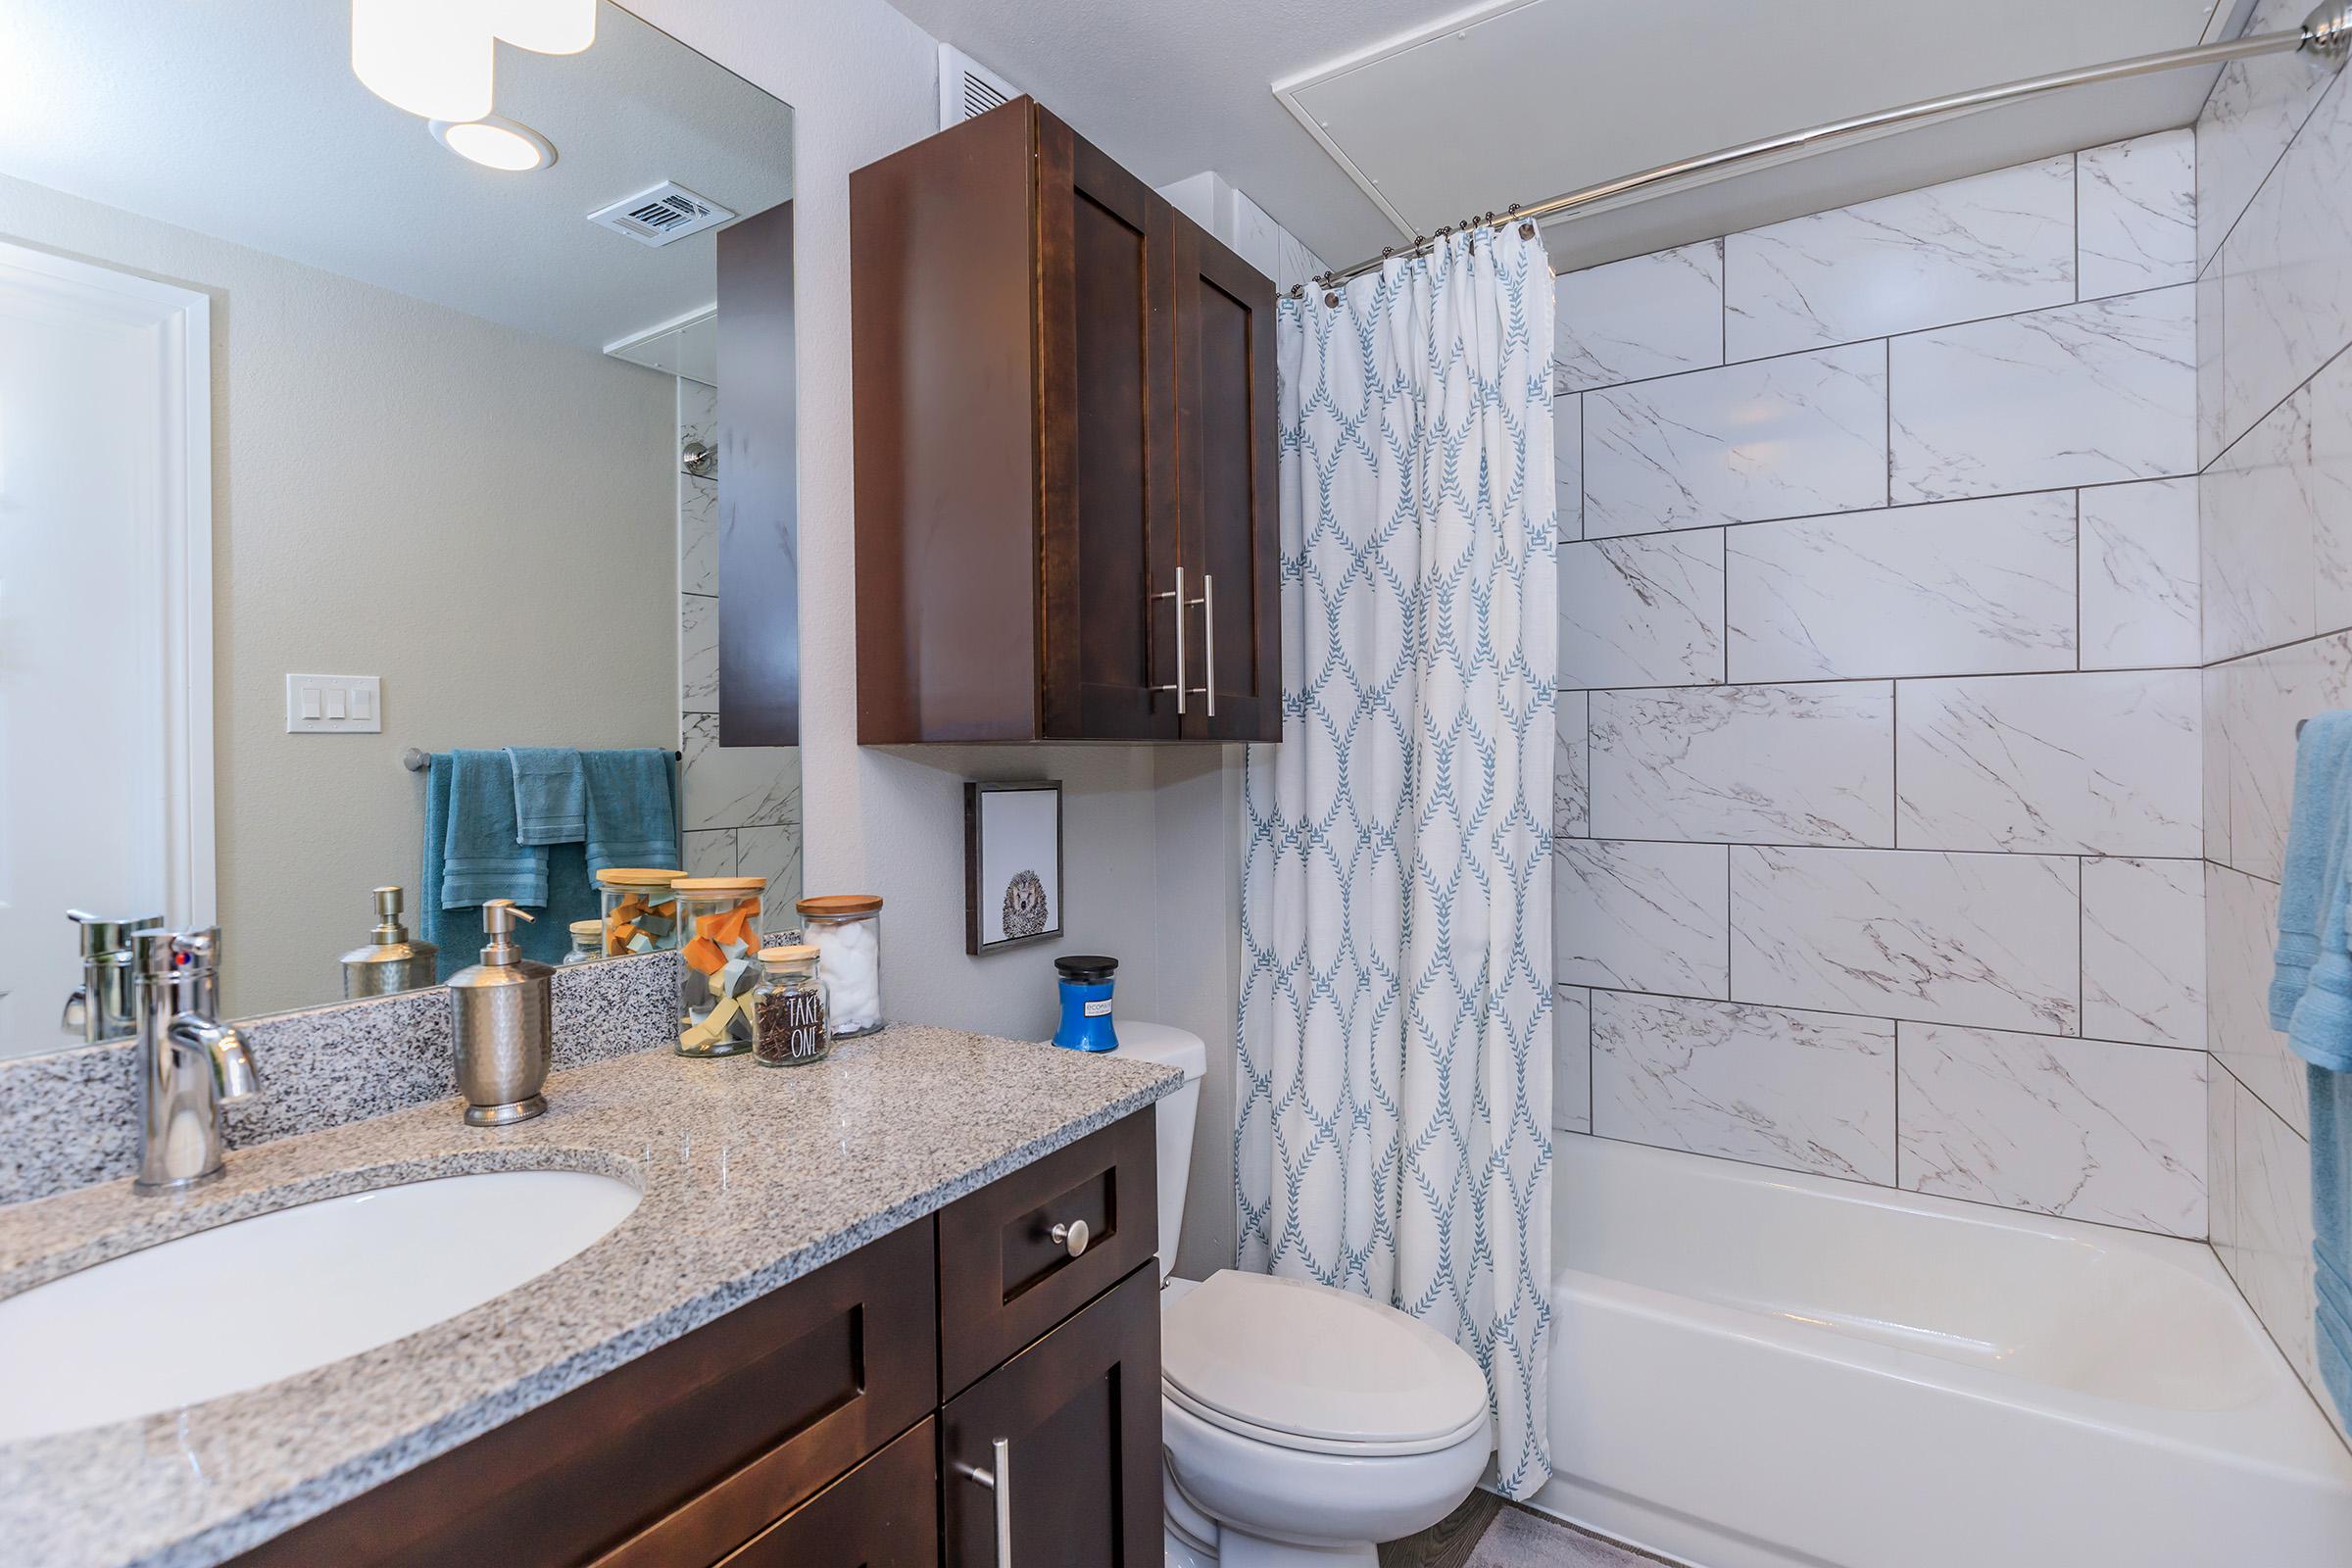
<point x="180" y="593"/>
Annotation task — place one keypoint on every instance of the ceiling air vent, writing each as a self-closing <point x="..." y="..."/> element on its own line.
<point x="667" y="212"/>
<point x="968" y="88"/>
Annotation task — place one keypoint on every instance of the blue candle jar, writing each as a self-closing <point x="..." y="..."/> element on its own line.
<point x="1086" y="1003"/>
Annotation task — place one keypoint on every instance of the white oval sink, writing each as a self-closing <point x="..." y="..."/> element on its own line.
<point x="262" y="1298"/>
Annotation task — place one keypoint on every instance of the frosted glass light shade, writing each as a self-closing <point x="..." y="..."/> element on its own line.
<point x="544" y="26"/>
<point x="432" y="58"/>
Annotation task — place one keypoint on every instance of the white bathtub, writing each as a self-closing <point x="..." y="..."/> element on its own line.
<point x="1753" y="1369"/>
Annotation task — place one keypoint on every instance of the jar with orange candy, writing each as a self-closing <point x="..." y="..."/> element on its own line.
<point x="639" y="913"/>
<point x="718" y="924"/>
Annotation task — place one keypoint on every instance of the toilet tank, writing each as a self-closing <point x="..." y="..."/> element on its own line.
<point x="1172" y="1118"/>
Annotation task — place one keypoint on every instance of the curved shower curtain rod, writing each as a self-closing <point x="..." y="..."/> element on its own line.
<point x="2326" y="35"/>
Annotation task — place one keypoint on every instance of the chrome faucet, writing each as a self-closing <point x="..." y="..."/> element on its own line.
<point x="100" y="1008"/>
<point x="190" y="1063"/>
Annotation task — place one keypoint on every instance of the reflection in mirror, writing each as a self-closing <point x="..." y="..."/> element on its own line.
<point x="330" y="435"/>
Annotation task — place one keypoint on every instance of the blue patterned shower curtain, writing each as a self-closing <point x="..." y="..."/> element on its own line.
<point x="1395" y="1130"/>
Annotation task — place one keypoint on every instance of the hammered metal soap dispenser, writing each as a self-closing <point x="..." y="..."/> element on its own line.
<point x="503" y="1010"/>
<point x="392" y="961"/>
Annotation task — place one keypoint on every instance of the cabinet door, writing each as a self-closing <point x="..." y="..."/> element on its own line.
<point x="1105" y="293"/>
<point x="883" y="1515"/>
<point x="1227" y="508"/>
<point x="1077" y="1416"/>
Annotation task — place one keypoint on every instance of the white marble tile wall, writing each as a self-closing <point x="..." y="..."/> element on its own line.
<point x="1992" y="245"/>
<point x="1805" y="1091"/>
<point x="1879" y="757"/>
<point x="742" y="805"/>
<point x="2274" y="429"/>
<point x="2082" y="394"/>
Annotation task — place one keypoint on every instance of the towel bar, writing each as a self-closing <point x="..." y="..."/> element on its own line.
<point x="416" y="761"/>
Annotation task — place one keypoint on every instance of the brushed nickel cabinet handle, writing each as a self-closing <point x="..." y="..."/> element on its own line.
<point x="1074" y="1235"/>
<point x="1208" y="636"/>
<point x="998" y="1481"/>
<point x="1176" y="594"/>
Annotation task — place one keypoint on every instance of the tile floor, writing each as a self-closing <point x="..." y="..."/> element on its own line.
<point x="1486" y="1532"/>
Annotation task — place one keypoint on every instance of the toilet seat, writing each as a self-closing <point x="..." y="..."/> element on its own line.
<point x="1301" y="1366"/>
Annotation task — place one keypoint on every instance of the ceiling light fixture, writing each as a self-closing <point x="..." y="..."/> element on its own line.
<point x="496" y="142"/>
<point x="435" y="58"/>
<point x="543" y="26"/>
<point x="429" y="57"/>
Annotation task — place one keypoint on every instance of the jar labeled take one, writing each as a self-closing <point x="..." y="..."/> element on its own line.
<point x="846" y="929"/>
<point x="788" y="1008"/>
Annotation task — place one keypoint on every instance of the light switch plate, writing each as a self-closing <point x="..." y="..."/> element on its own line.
<point x="357" y="700"/>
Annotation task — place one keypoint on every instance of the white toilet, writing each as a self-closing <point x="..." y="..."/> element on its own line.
<point x="1302" y="1424"/>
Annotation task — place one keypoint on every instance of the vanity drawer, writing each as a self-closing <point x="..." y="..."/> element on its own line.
<point x="679" y="1456"/>
<point x="883" y="1515"/>
<point x="1003" y="1280"/>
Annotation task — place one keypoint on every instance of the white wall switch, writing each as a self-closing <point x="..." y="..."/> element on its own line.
<point x="335" y="705"/>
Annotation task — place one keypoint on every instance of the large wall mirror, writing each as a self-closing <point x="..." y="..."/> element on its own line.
<point x="336" y="439"/>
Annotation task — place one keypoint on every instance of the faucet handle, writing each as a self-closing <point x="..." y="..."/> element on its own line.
<point x="197" y="953"/>
<point x="103" y="935"/>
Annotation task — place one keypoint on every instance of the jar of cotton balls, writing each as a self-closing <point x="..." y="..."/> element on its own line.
<point x="846" y="929"/>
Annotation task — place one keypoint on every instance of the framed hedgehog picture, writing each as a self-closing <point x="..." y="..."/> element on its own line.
<point x="1012" y="864"/>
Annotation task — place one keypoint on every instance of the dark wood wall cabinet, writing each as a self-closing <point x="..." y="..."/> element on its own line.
<point x="1065" y="451"/>
<point x="811" y="1429"/>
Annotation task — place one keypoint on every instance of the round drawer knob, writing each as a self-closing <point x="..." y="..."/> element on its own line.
<point x="1073" y="1236"/>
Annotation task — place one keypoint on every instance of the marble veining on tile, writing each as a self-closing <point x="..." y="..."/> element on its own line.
<point x="2137" y="213"/>
<point x="736" y="786"/>
<point x="1783" y="764"/>
<point x="1989" y="245"/>
<point x="2241" y="924"/>
<point x="1639" y="916"/>
<point x="1571" y="785"/>
<point x="697" y="535"/>
<point x="2140" y="591"/>
<point x="1642" y="610"/>
<point x="1642" y="317"/>
<point x="2144" y="952"/>
<point x="746" y="1188"/>
<point x="2286" y="270"/>
<point x="2082" y="394"/>
<point x="1568" y="463"/>
<point x="2104" y="763"/>
<point x="1572" y="1059"/>
<point x="1962" y="587"/>
<point x="2263" y="505"/>
<point x="2079" y="1128"/>
<point x="2263" y="698"/>
<point x="1980" y="939"/>
<point x="68" y="1120"/>
<point x="2275" y="1232"/>
<point x="1787" y="437"/>
<point x="697" y="653"/>
<point x="1801" y="1091"/>
<point x="2253" y="112"/>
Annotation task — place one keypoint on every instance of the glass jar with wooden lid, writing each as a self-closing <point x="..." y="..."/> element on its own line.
<point x="638" y="914"/>
<point x="719" y="921"/>
<point x="846" y="928"/>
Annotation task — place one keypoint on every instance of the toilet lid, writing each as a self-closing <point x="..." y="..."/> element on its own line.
<point x="1310" y="1363"/>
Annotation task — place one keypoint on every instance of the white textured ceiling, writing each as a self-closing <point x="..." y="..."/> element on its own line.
<point x="241" y="119"/>
<point x="1560" y="93"/>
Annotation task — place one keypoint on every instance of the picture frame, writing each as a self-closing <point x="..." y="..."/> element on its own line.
<point x="1012" y="866"/>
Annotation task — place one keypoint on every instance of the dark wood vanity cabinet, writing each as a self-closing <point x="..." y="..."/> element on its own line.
<point x="812" y="1427"/>
<point x="1065" y="451"/>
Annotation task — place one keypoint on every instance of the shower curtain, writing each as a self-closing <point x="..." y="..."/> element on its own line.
<point x="1394" y="1136"/>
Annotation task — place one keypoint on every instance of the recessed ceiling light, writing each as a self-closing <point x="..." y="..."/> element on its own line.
<point x="496" y="142"/>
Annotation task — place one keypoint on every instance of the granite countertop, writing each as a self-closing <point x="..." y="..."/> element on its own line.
<point x="751" y="1178"/>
